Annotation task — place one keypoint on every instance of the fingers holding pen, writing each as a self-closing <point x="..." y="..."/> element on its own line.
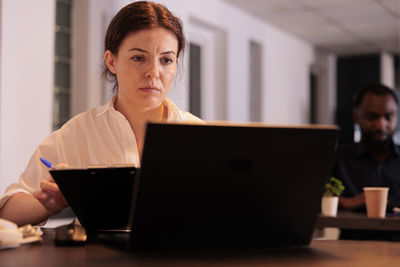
<point x="50" y="195"/>
<point x="47" y="190"/>
<point x="50" y="185"/>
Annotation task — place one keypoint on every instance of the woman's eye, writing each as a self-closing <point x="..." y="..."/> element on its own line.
<point x="166" y="61"/>
<point x="138" y="58"/>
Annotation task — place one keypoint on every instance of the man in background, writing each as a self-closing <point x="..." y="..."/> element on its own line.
<point x="375" y="160"/>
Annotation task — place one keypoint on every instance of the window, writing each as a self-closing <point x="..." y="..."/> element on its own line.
<point x="195" y="80"/>
<point x="62" y="66"/>
<point x="255" y="81"/>
<point x="208" y="70"/>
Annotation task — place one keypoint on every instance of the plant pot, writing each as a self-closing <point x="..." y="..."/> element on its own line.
<point x="329" y="206"/>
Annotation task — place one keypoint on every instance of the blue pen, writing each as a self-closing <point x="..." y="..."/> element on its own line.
<point x="46" y="162"/>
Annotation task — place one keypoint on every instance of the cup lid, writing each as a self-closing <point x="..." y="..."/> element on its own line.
<point x="376" y="188"/>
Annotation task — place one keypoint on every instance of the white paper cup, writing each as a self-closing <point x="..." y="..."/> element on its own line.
<point x="329" y="206"/>
<point x="376" y="200"/>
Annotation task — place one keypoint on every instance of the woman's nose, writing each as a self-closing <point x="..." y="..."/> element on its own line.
<point x="152" y="71"/>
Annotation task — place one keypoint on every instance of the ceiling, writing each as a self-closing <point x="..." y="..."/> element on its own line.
<point x="338" y="26"/>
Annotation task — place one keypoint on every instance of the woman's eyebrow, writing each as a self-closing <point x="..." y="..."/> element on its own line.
<point x="144" y="51"/>
<point x="168" y="52"/>
<point x="137" y="49"/>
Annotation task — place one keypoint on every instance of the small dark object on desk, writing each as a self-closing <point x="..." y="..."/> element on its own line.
<point x="70" y="235"/>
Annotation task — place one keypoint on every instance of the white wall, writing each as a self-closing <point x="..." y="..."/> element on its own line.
<point x="288" y="64"/>
<point x="387" y="69"/>
<point x="325" y="69"/>
<point x="26" y="85"/>
<point x="287" y="61"/>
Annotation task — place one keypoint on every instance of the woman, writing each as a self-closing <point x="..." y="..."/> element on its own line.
<point x="142" y="46"/>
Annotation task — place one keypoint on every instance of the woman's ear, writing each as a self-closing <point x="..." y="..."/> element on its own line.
<point x="110" y="60"/>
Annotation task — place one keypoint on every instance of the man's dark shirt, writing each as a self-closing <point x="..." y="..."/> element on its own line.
<point x="356" y="168"/>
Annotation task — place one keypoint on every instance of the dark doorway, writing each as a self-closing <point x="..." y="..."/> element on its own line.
<point x="313" y="98"/>
<point x="353" y="72"/>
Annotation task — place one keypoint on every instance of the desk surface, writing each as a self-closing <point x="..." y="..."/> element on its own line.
<point x="319" y="253"/>
<point x="360" y="221"/>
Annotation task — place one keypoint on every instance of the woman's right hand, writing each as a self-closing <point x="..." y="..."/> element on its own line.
<point x="50" y="195"/>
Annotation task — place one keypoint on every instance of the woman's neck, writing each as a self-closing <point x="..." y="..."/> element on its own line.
<point x="138" y="116"/>
<point x="138" y="119"/>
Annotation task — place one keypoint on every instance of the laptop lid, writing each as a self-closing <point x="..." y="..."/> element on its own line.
<point x="99" y="197"/>
<point x="229" y="187"/>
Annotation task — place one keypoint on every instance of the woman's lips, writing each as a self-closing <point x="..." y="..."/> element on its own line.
<point x="150" y="90"/>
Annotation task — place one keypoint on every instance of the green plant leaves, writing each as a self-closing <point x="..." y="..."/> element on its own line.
<point x="334" y="187"/>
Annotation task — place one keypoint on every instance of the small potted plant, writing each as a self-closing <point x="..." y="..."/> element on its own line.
<point x="333" y="190"/>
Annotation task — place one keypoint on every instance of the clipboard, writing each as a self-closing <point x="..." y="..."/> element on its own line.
<point x="100" y="197"/>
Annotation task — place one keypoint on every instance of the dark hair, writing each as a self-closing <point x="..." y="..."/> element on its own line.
<point x="137" y="16"/>
<point x="376" y="89"/>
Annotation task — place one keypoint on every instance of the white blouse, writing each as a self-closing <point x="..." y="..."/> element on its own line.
<point x="100" y="136"/>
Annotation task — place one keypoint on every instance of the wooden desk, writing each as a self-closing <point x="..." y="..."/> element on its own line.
<point x="319" y="253"/>
<point x="360" y="221"/>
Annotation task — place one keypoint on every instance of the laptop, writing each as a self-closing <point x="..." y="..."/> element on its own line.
<point x="100" y="197"/>
<point x="229" y="186"/>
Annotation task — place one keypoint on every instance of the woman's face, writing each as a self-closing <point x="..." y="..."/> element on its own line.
<point x="145" y="67"/>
